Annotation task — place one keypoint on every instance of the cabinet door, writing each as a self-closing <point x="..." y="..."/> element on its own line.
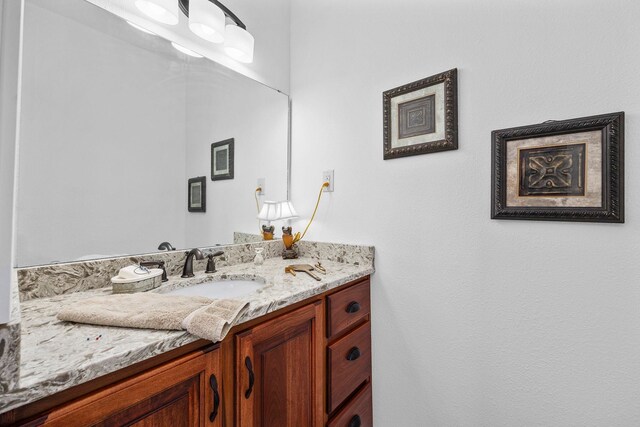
<point x="279" y="371"/>
<point x="184" y="392"/>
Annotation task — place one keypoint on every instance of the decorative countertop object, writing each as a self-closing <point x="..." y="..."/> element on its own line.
<point x="259" y="258"/>
<point x="136" y="278"/>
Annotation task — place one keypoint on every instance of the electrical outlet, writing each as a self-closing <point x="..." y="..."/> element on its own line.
<point x="327" y="176"/>
<point x="261" y="184"/>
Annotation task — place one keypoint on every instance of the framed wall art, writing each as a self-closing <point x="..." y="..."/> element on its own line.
<point x="569" y="170"/>
<point x="197" y="196"/>
<point x="421" y="117"/>
<point x="222" y="160"/>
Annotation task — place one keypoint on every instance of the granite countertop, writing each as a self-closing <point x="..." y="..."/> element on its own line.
<point x="57" y="355"/>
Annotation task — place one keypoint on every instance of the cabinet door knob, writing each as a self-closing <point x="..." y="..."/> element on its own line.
<point x="247" y="363"/>
<point x="353" y="307"/>
<point x="353" y="354"/>
<point x="213" y="382"/>
<point x="355" y="421"/>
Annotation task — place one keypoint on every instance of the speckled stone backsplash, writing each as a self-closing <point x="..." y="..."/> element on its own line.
<point x="9" y="356"/>
<point x="10" y="344"/>
<point x="239" y="237"/>
<point x="338" y="252"/>
<point x="58" y="279"/>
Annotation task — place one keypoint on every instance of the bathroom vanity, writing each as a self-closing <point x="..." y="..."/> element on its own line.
<point x="300" y="357"/>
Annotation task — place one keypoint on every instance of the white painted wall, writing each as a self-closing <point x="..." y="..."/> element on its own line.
<point x="222" y="107"/>
<point x="475" y="322"/>
<point x="10" y="19"/>
<point x="91" y="155"/>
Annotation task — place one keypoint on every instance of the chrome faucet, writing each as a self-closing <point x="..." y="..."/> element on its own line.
<point x="187" y="271"/>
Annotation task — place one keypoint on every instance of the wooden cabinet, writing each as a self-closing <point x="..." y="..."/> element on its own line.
<point x="183" y="392"/>
<point x="347" y="307"/>
<point x="357" y="413"/>
<point x="279" y="371"/>
<point x="307" y="365"/>
<point x="349" y="357"/>
<point x="348" y="365"/>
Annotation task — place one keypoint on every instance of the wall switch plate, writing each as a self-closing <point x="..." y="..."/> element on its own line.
<point x="261" y="184"/>
<point x="327" y="176"/>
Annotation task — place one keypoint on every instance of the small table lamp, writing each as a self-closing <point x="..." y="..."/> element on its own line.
<point x="288" y="238"/>
<point x="274" y="211"/>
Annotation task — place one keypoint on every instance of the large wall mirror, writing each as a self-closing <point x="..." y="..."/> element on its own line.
<point x="113" y="124"/>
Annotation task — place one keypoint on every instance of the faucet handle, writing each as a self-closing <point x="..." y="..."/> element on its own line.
<point x="211" y="263"/>
<point x="159" y="264"/>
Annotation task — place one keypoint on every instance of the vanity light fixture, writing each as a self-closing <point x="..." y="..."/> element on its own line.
<point x="238" y="44"/>
<point x="164" y="11"/>
<point x="207" y="20"/>
<point x="138" y="27"/>
<point x="185" y="50"/>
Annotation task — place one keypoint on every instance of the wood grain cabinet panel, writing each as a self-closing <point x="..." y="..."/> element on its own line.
<point x="348" y="365"/>
<point x="347" y="307"/>
<point x="357" y="413"/>
<point x="279" y="371"/>
<point x="177" y="394"/>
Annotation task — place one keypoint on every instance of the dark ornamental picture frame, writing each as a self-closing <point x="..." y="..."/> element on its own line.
<point x="611" y="191"/>
<point x="449" y="104"/>
<point x="197" y="187"/>
<point x="219" y="174"/>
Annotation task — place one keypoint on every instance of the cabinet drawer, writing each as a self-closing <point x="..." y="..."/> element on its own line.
<point x="348" y="365"/>
<point x="347" y="307"/>
<point x="357" y="413"/>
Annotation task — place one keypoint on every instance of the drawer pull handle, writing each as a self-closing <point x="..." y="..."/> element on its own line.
<point x="247" y="363"/>
<point x="213" y="382"/>
<point x="355" y="421"/>
<point x="353" y="307"/>
<point x="353" y="354"/>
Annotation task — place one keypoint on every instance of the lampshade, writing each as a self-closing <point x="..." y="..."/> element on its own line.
<point x="287" y="211"/>
<point x="273" y="211"/>
<point x="238" y="43"/>
<point x="206" y="20"/>
<point x="165" y="11"/>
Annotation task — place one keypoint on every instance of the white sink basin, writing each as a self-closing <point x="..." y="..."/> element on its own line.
<point x="220" y="289"/>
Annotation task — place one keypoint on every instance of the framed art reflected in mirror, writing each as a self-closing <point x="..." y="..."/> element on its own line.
<point x="421" y="117"/>
<point x="222" y="160"/>
<point x="198" y="194"/>
<point x="569" y="170"/>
